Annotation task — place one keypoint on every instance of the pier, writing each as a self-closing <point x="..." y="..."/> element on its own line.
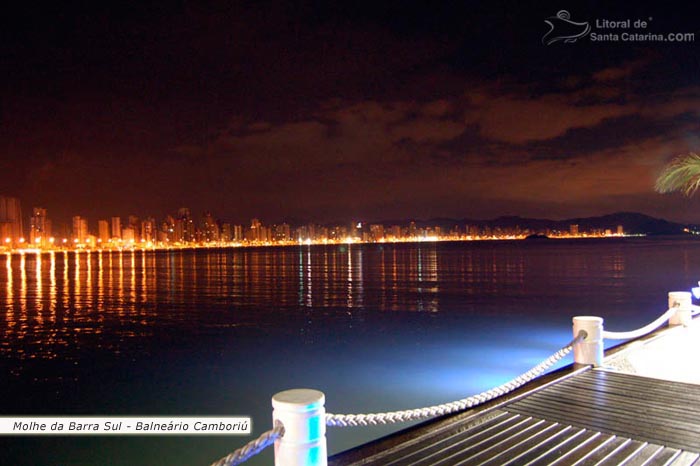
<point x="637" y="403"/>
<point x="641" y="406"/>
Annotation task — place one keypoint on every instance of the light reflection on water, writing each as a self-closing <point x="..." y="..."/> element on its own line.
<point x="377" y="327"/>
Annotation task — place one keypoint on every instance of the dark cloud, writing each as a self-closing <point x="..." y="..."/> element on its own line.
<point x="329" y="111"/>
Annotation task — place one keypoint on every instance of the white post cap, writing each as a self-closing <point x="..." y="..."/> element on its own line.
<point x="303" y="415"/>
<point x="590" y="350"/>
<point x="683" y="300"/>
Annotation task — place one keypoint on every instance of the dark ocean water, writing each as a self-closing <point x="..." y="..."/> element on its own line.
<point x="375" y="327"/>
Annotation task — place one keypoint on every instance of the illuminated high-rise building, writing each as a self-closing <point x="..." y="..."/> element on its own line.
<point x="573" y="230"/>
<point x="226" y="233"/>
<point x="210" y="228"/>
<point x="116" y="227"/>
<point x="302" y="234"/>
<point x="395" y="231"/>
<point x="237" y="233"/>
<point x="282" y="232"/>
<point x="412" y="230"/>
<point x="255" y="232"/>
<point x="11" y="228"/>
<point x="80" y="229"/>
<point x="339" y="233"/>
<point x="133" y="222"/>
<point x="166" y="233"/>
<point x="184" y="226"/>
<point x="148" y="229"/>
<point x="128" y="235"/>
<point x="103" y="231"/>
<point x="376" y="232"/>
<point x="39" y="228"/>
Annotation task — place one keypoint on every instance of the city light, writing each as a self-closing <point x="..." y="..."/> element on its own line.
<point x="183" y="230"/>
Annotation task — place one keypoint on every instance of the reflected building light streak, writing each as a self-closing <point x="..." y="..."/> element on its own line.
<point x="432" y="265"/>
<point x="262" y="284"/>
<point x="120" y="283"/>
<point x="349" y="275"/>
<point x="144" y="277"/>
<point x="382" y="274"/>
<point x="88" y="280"/>
<point x="153" y="274"/>
<point x="420" y="279"/>
<point x="432" y="276"/>
<point x="225" y="280"/>
<point x="77" y="298"/>
<point x="8" y="314"/>
<point x="53" y="292"/>
<point x="207" y="267"/>
<point x="237" y="274"/>
<point x="326" y="279"/>
<point x="220" y="271"/>
<point x="132" y="281"/>
<point x="309" y="300"/>
<point x="100" y="278"/>
<point x="111" y="287"/>
<point x="194" y="274"/>
<point x="301" y="276"/>
<point x="23" y="285"/>
<point x="420" y="267"/>
<point x="10" y="290"/>
<point x="66" y="286"/>
<point x="171" y="276"/>
<point x="179" y="276"/>
<point x="360" y="278"/>
<point x="39" y="293"/>
<point x="394" y="281"/>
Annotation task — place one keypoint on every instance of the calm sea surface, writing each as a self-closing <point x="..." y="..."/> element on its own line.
<point x="376" y="327"/>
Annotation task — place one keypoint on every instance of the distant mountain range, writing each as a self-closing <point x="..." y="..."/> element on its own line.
<point x="632" y="223"/>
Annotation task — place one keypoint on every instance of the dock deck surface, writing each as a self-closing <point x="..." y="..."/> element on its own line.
<point x="641" y="408"/>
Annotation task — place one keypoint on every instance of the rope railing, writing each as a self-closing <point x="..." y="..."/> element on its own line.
<point x="351" y="420"/>
<point x="650" y="327"/>
<point x="252" y="448"/>
<point x="300" y="419"/>
<point x="346" y="420"/>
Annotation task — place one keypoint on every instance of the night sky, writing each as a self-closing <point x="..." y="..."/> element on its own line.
<point x="333" y="111"/>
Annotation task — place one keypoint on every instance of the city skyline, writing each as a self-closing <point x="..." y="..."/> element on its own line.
<point x="312" y="111"/>
<point x="183" y="228"/>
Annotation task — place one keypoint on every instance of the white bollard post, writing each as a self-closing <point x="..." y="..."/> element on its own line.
<point x="590" y="350"/>
<point x="303" y="415"/>
<point x="683" y="300"/>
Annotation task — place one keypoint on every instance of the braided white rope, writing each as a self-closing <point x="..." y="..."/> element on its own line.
<point x="252" y="448"/>
<point x="348" y="420"/>
<point x="641" y="331"/>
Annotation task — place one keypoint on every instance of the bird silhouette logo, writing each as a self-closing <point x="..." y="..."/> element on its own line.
<point x="561" y="28"/>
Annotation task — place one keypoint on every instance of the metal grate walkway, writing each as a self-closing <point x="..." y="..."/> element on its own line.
<point x="595" y="417"/>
